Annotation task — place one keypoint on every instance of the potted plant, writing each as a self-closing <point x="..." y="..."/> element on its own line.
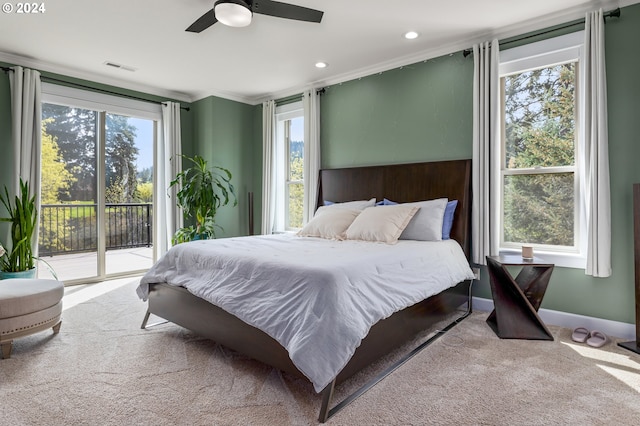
<point x="22" y="214"/>
<point x="202" y="191"/>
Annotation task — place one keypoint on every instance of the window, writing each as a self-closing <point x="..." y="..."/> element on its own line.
<point x="539" y="175"/>
<point x="289" y="166"/>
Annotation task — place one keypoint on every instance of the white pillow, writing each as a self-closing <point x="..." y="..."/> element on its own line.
<point x="426" y="224"/>
<point x="357" y="205"/>
<point x="381" y="224"/>
<point x="330" y="223"/>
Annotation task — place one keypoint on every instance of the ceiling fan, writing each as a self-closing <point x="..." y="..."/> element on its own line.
<point x="238" y="13"/>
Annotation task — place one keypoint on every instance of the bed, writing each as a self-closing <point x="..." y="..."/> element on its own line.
<point x="401" y="183"/>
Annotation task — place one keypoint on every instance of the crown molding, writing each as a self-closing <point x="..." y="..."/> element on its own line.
<point x="88" y="76"/>
<point x="513" y="30"/>
<point x="202" y="94"/>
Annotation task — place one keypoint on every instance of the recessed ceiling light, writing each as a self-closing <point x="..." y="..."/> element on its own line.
<point x="321" y="64"/>
<point x="411" y="35"/>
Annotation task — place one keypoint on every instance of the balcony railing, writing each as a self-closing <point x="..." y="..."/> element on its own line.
<point x="67" y="228"/>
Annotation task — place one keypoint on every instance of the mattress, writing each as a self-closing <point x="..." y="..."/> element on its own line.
<point x="318" y="298"/>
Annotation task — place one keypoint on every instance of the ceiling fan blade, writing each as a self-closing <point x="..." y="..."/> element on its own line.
<point x="285" y="10"/>
<point x="203" y="22"/>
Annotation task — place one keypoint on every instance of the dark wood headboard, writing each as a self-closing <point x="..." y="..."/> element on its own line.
<point x="405" y="183"/>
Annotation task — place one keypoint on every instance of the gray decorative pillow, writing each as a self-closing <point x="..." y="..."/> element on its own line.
<point x="426" y="224"/>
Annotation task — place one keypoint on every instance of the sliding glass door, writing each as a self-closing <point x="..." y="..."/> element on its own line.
<point x="97" y="193"/>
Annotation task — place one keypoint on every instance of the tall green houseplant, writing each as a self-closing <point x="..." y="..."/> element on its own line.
<point x="22" y="214"/>
<point x="203" y="191"/>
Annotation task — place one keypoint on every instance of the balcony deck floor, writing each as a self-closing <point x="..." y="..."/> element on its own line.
<point x="78" y="267"/>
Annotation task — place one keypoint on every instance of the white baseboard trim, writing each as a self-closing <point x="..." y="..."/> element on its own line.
<point x="564" y="319"/>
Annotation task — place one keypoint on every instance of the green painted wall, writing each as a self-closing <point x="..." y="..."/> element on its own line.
<point x="224" y="135"/>
<point x="415" y="113"/>
<point x="424" y="112"/>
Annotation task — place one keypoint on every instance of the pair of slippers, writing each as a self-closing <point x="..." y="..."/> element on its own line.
<point x="593" y="338"/>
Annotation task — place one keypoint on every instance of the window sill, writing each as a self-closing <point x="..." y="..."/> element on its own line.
<point x="564" y="260"/>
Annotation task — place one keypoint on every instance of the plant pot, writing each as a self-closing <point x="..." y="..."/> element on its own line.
<point x="30" y="273"/>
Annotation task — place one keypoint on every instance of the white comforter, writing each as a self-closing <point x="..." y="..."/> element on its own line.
<point x="317" y="298"/>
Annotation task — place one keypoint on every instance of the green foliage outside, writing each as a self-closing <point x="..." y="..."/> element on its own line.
<point x="74" y="130"/>
<point x="116" y="192"/>
<point x="121" y="153"/>
<point x="144" y="192"/>
<point x="69" y="177"/>
<point x="56" y="180"/>
<point x="296" y="190"/>
<point x="539" y="133"/>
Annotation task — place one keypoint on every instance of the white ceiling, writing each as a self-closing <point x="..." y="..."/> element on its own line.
<point x="272" y="57"/>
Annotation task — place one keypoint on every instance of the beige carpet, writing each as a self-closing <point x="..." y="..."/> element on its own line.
<point x="103" y="370"/>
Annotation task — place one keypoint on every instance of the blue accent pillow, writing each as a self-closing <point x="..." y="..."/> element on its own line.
<point x="386" y="202"/>
<point x="327" y="202"/>
<point x="447" y="222"/>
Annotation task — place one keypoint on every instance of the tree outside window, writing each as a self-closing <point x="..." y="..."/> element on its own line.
<point x="538" y="156"/>
<point x="295" y="175"/>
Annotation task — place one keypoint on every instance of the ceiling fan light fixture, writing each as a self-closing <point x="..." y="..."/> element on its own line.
<point x="233" y="13"/>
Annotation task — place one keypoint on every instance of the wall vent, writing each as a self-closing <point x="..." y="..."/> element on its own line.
<point x="119" y="66"/>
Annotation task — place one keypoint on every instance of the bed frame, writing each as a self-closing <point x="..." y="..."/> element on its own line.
<point x="401" y="183"/>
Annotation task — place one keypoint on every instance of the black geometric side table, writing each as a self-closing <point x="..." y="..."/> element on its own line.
<point x="516" y="301"/>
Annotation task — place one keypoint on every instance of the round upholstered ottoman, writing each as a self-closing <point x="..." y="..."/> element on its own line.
<point x="28" y="306"/>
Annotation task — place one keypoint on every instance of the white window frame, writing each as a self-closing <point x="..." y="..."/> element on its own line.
<point x="547" y="53"/>
<point x="79" y="98"/>
<point x="283" y="114"/>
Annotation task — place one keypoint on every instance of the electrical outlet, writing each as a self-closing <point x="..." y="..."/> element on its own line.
<point x="476" y="273"/>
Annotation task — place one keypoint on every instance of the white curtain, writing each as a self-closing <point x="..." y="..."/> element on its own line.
<point x="311" y="105"/>
<point x="26" y="124"/>
<point x="268" y="166"/>
<point x="485" y="161"/>
<point x="169" y="217"/>
<point x="596" y="150"/>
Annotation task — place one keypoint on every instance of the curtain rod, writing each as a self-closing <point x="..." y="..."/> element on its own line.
<point x="289" y="99"/>
<point x="612" y="14"/>
<point x="95" y="89"/>
<point x="297" y="97"/>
